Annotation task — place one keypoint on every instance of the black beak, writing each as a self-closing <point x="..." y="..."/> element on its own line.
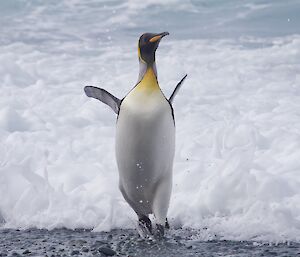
<point x="164" y="34"/>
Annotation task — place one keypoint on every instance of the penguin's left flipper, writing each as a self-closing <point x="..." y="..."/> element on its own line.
<point x="177" y="89"/>
<point x="104" y="96"/>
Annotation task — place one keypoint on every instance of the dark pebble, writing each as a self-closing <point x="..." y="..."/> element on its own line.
<point x="99" y="242"/>
<point x="272" y="253"/>
<point x="107" y="251"/>
<point x="26" y="251"/>
<point x="84" y="249"/>
<point x="75" y="252"/>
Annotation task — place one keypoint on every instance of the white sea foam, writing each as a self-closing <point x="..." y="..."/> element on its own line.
<point x="237" y="161"/>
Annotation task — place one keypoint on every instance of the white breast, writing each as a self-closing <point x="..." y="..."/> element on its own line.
<point x="145" y="144"/>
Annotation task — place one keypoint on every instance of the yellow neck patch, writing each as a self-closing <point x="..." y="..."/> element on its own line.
<point x="148" y="82"/>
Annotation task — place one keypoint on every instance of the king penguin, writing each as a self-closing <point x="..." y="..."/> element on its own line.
<point x="145" y="140"/>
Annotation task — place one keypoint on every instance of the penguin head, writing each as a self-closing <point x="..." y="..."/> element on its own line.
<point x="148" y="44"/>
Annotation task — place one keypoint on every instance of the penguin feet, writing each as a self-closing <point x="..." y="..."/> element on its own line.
<point x="144" y="227"/>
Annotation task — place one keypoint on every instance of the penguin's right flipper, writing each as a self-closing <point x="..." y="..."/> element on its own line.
<point x="177" y="89"/>
<point x="104" y="96"/>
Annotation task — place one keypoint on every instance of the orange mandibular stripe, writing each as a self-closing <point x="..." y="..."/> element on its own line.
<point x="154" y="39"/>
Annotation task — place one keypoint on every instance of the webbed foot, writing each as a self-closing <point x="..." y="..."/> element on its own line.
<point x="160" y="231"/>
<point x="144" y="227"/>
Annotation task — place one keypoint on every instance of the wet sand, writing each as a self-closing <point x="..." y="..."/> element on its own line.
<point x="81" y="242"/>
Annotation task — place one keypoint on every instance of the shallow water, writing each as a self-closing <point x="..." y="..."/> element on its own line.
<point x="80" y="242"/>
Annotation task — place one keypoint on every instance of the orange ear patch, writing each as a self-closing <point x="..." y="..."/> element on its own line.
<point x="140" y="56"/>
